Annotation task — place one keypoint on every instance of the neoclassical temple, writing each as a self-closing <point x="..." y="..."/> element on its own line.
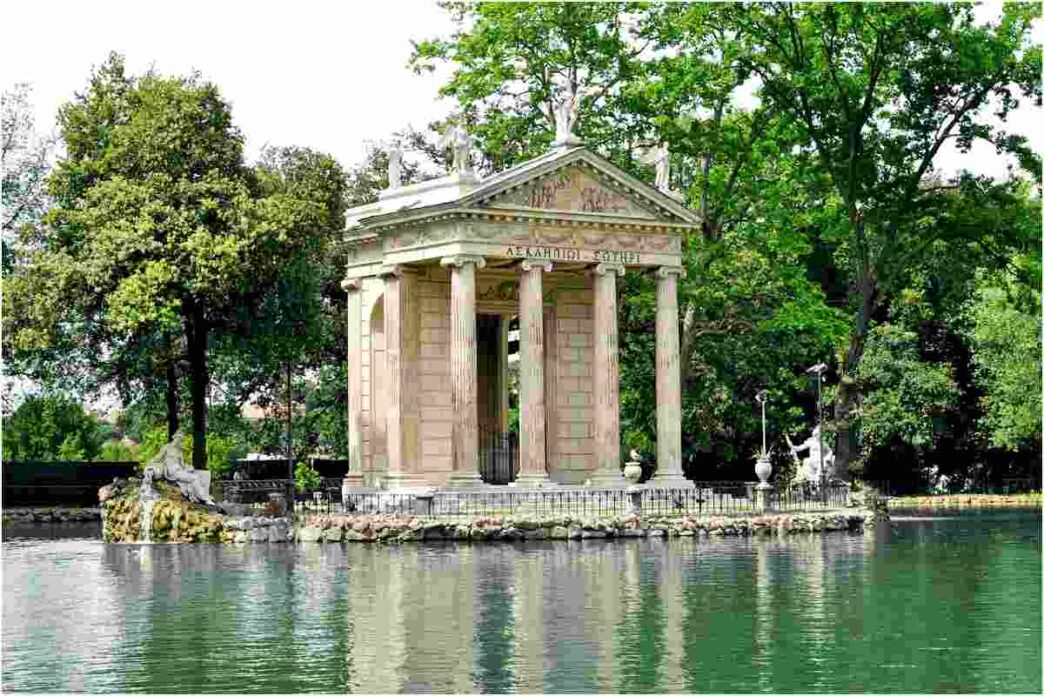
<point x="438" y="271"/>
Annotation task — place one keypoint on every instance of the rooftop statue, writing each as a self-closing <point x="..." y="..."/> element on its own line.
<point x="660" y="157"/>
<point x="456" y="139"/>
<point x="394" y="165"/>
<point x="566" y="112"/>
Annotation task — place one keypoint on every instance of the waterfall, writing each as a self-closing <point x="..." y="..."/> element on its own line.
<point x="146" y="521"/>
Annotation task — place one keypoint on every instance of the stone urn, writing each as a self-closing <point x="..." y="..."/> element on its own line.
<point x="633" y="469"/>
<point x="763" y="468"/>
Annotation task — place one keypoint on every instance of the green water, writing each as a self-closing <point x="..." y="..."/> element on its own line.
<point x="947" y="603"/>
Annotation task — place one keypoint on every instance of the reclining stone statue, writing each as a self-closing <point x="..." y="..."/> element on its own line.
<point x="167" y="464"/>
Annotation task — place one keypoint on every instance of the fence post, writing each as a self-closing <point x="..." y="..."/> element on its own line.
<point x="634" y="494"/>
<point x="763" y="497"/>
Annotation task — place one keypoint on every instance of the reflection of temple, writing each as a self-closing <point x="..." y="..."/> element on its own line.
<point x="439" y="269"/>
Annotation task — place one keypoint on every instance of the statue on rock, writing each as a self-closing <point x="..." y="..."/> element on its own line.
<point x="808" y="469"/>
<point x="457" y="140"/>
<point x="167" y="464"/>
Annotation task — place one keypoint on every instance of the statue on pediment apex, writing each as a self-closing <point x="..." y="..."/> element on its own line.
<point x="458" y="141"/>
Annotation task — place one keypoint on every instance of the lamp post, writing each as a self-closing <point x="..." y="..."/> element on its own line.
<point x="761" y="397"/>
<point x="818" y="370"/>
<point x="763" y="465"/>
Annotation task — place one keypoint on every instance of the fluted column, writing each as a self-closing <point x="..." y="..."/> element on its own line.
<point x="606" y="378"/>
<point x="464" y="369"/>
<point x="532" y="448"/>
<point x="354" y="477"/>
<point x="402" y="353"/>
<point x="668" y="381"/>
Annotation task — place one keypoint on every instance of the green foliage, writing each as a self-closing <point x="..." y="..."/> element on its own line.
<point x="220" y="450"/>
<point x="306" y="478"/>
<point x="906" y="398"/>
<point x="1007" y="346"/>
<point x="118" y="451"/>
<point x="50" y="428"/>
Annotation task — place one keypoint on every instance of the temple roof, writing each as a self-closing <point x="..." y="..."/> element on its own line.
<point x="570" y="182"/>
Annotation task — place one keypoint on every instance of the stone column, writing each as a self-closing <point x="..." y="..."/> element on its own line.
<point x="606" y="379"/>
<point x="668" y="382"/>
<point x="464" y="369"/>
<point x="532" y="448"/>
<point x="354" y="477"/>
<point x="402" y="353"/>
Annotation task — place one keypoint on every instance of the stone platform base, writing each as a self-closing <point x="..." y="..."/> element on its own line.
<point x="407" y="528"/>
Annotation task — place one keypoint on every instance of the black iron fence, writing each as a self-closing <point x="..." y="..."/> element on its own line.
<point x="705" y="498"/>
<point x="258" y="490"/>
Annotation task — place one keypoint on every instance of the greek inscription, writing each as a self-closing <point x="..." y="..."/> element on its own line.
<point x="551" y="253"/>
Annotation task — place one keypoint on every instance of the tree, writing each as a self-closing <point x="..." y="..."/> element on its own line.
<point x="1006" y="339"/>
<point x="24" y="161"/>
<point x="877" y="91"/>
<point x="160" y="233"/>
<point x="51" y="428"/>
<point x="514" y="61"/>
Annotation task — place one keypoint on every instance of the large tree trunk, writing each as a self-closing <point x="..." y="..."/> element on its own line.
<point x="197" y="334"/>
<point x="172" y="400"/>
<point x="850" y="393"/>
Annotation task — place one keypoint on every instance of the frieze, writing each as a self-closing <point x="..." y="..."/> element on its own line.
<point x="573" y="189"/>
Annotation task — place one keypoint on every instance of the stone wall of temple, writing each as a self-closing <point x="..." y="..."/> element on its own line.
<point x="571" y="422"/>
<point x="436" y="398"/>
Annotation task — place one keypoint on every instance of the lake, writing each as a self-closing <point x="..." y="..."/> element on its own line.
<point x="944" y="602"/>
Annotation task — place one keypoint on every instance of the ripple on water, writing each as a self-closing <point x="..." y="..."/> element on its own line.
<point x="951" y="605"/>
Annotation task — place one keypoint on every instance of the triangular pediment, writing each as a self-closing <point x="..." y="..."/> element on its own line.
<point x="574" y="189"/>
<point x="578" y="181"/>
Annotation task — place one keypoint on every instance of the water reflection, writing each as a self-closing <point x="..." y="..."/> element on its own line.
<point x="948" y="605"/>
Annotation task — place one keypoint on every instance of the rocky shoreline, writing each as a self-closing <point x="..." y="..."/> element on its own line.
<point x="198" y="527"/>
<point x="51" y="515"/>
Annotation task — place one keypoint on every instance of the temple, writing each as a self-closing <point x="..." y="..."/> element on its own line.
<point x="437" y="273"/>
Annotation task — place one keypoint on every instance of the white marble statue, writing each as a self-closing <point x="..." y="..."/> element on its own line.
<point x="662" y="160"/>
<point x="566" y="114"/>
<point x="394" y="166"/>
<point x="808" y="469"/>
<point x="456" y="139"/>
<point x="167" y="464"/>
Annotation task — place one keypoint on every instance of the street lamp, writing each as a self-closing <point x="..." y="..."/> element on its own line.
<point x="761" y="397"/>
<point x="762" y="465"/>
<point x="818" y="370"/>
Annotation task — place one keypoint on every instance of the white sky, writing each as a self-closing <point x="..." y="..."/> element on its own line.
<point x="330" y="76"/>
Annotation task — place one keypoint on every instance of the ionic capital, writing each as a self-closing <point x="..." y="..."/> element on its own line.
<point x="351" y="284"/>
<point x="610" y="268"/>
<point x="393" y="269"/>
<point x="460" y="260"/>
<point x="531" y="264"/>
<point x="664" y="271"/>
